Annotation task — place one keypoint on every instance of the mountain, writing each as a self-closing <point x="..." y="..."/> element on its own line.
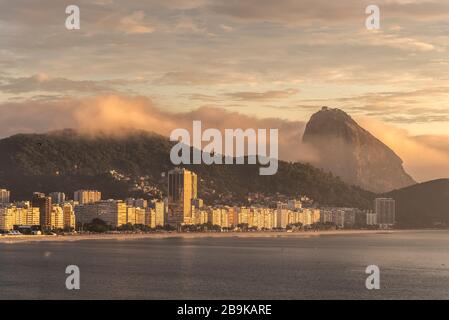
<point x="424" y="204"/>
<point x="134" y="165"/>
<point x="352" y="153"/>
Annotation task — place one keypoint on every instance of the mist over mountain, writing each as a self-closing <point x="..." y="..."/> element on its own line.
<point x="67" y="161"/>
<point x="352" y="153"/>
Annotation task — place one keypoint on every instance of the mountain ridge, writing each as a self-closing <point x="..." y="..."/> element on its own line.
<point x="68" y="160"/>
<point x="353" y="153"/>
<point x="424" y="204"/>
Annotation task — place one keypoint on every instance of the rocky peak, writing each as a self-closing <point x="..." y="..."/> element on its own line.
<point x="354" y="154"/>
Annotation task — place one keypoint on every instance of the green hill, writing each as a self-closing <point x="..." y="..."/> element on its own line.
<point x="67" y="161"/>
<point x="423" y="204"/>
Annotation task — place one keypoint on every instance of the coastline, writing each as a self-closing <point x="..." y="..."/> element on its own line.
<point x="188" y="235"/>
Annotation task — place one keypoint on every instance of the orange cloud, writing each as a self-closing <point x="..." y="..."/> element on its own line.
<point x="425" y="157"/>
<point x="117" y="115"/>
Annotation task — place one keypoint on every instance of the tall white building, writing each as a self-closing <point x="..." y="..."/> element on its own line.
<point x="4" y="196"/>
<point x="385" y="209"/>
<point x="371" y="219"/>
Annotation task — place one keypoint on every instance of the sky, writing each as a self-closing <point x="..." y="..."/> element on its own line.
<point x="151" y="64"/>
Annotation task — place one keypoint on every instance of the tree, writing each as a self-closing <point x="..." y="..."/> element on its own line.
<point x="97" y="225"/>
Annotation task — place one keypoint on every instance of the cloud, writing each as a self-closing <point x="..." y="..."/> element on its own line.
<point x="171" y="42"/>
<point x="203" y="97"/>
<point x="330" y="12"/>
<point x="401" y="106"/>
<point x="290" y="11"/>
<point x="425" y="157"/>
<point x="190" y="26"/>
<point x="262" y="96"/>
<point x="43" y="82"/>
<point x="187" y="78"/>
<point x="382" y="39"/>
<point x="134" y="23"/>
<point x="117" y="115"/>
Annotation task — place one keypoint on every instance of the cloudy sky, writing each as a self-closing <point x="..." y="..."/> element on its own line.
<point x="139" y="63"/>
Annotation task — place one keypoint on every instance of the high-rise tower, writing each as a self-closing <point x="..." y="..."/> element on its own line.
<point x="182" y="189"/>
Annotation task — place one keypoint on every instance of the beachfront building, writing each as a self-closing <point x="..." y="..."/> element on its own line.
<point x="113" y="212"/>
<point x="18" y="216"/>
<point x="131" y="215"/>
<point x="281" y="218"/>
<point x="69" y="216"/>
<point x="200" y="215"/>
<point x="371" y="218"/>
<point x="243" y="215"/>
<point x="57" y="218"/>
<point x="140" y="216"/>
<point x="155" y="214"/>
<point x="44" y="203"/>
<point x="182" y="191"/>
<point x="6" y="219"/>
<point x="341" y="217"/>
<point x="385" y="208"/>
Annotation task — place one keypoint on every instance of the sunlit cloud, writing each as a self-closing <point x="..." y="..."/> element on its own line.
<point x="425" y="157"/>
<point x="262" y="96"/>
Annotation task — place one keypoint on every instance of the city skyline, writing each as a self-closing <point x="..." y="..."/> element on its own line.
<point x="180" y="209"/>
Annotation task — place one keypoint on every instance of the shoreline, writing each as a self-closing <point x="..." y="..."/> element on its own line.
<point x="192" y="235"/>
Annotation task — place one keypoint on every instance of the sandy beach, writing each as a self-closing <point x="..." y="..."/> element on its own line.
<point x="164" y="235"/>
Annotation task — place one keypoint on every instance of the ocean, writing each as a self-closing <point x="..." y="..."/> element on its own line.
<point x="412" y="264"/>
